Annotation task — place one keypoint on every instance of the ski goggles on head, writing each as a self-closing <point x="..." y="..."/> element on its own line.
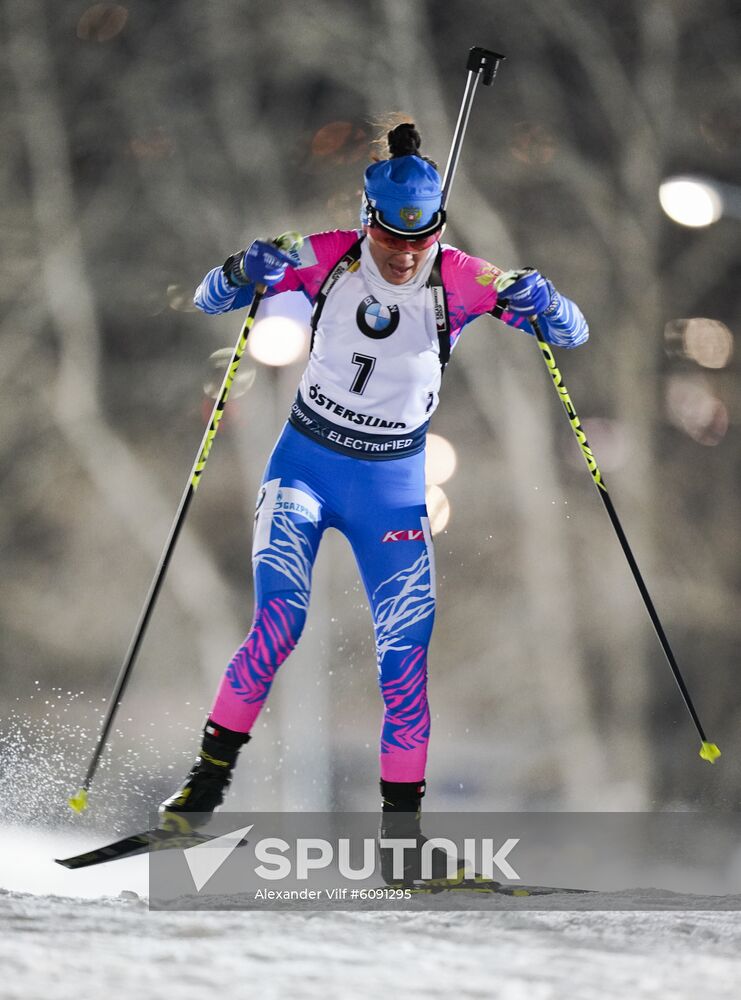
<point x="408" y="244"/>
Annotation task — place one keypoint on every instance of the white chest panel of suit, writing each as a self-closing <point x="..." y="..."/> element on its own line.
<point x="375" y="363"/>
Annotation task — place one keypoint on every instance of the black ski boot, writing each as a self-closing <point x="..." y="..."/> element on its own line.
<point x="400" y="820"/>
<point x="208" y="780"/>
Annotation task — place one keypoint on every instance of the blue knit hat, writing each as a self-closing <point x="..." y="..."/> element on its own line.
<point x="403" y="195"/>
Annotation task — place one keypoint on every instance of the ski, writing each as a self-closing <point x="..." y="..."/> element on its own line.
<point x="156" y="839"/>
<point x="537" y="890"/>
<point x="489" y="886"/>
<point x="160" y="839"/>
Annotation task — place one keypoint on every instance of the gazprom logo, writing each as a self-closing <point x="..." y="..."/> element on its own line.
<point x="375" y="320"/>
<point x="290" y="500"/>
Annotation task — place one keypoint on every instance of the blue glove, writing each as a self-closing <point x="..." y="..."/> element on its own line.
<point x="261" y="264"/>
<point x="527" y="291"/>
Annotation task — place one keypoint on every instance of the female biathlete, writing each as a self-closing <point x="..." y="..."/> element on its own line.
<point x="389" y="304"/>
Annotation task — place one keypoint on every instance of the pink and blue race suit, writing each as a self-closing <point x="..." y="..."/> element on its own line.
<point x="352" y="457"/>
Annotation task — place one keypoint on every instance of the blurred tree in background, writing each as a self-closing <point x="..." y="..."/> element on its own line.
<point x="144" y="142"/>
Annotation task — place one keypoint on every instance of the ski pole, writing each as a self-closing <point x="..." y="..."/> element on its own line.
<point x="480" y="61"/>
<point x="708" y="751"/>
<point x="78" y="802"/>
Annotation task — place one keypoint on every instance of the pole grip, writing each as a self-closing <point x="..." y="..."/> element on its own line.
<point x="484" y="60"/>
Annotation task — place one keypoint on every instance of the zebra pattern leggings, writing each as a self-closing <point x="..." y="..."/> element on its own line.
<point x="380" y="507"/>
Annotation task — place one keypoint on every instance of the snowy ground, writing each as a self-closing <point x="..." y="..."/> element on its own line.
<point x="56" y="945"/>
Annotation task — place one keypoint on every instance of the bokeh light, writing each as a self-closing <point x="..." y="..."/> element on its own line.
<point x="707" y="342"/>
<point x="530" y="142"/>
<point x="278" y="341"/>
<point x="102" y="22"/>
<point x="690" y="201"/>
<point x="154" y="145"/>
<point x="694" y="409"/>
<point x="218" y="363"/>
<point x="438" y="508"/>
<point x="440" y="460"/>
<point x="340" y="142"/>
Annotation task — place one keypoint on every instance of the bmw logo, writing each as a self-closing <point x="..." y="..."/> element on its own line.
<point x="377" y="321"/>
